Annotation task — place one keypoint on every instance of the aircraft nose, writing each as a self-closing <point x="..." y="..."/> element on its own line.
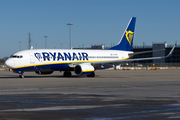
<point x="9" y="63"/>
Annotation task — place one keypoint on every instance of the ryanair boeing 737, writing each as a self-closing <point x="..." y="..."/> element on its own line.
<point x="45" y="61"/>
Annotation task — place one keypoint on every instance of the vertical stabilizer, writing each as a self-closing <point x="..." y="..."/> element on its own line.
<point x="126" y="40"/>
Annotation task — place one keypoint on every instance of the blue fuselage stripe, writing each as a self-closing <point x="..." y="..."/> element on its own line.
<point x="53" y="67"/>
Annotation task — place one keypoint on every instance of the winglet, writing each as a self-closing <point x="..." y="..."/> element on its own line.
<point x="171" y="52"/>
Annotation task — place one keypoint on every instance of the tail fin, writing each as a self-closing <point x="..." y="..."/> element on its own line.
<point x="126" y="41"/>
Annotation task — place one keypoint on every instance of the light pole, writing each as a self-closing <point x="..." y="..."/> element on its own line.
<point x="70" y="34"/>
<point x="45" y="41"/>
<point x="19" y="45"/>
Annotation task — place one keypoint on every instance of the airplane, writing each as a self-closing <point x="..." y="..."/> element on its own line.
<point x="46" y="61"/>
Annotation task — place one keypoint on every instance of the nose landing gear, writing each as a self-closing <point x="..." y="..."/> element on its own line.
<point x="21" y="76"/>
<point x="20" y="73"/>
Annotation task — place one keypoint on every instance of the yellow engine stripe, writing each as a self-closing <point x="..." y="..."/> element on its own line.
<point x="87" y="70"/>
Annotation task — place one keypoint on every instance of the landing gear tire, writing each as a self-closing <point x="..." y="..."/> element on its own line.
<point x="21" y="76"/>
<point x="67" y="74"/>
<point x="91" y="75"/>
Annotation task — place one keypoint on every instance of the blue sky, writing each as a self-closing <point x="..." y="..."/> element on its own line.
<point x="94" y="22"/>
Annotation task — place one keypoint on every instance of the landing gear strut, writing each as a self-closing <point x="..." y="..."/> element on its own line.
<point x="67" y="74"/>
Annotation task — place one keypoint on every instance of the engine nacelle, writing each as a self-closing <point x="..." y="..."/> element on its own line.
<point x="43" y="72"/>
<point x="84" y="69"/>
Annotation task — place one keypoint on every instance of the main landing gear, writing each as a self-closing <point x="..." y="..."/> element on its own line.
<point x="67" y="74"/>
<point x="91" y="75"/>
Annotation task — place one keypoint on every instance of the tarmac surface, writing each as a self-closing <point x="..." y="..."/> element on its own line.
<point x="110" y="95"/>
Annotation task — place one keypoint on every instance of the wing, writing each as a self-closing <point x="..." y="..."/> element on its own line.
<point x="115" y="62"/>
<point x="137" y="59"/>
<point x="137" y="53"/>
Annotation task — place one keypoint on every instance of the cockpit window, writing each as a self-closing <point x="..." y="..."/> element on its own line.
<point x="16" y="56"/>
<point x="13" y="56"/>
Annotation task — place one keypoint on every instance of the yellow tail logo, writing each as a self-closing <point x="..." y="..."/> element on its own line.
<point x="129" y="36"/>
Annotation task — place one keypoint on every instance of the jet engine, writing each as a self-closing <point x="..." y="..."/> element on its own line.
<point x="43" y="72"/>
<point x="84" y="69"/>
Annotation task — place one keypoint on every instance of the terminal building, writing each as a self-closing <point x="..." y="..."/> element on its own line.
<point x="174" y="59"/>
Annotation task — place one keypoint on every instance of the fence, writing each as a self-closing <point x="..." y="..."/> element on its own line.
<point x="151" y="65"/>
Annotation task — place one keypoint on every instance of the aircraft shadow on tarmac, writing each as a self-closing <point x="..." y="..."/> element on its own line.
<point x="44" y="76"/>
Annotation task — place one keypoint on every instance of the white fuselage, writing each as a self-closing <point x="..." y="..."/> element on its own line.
<point x="37" y="58"/>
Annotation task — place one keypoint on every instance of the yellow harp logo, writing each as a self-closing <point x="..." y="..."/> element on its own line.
<point x="129" y="36"/>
